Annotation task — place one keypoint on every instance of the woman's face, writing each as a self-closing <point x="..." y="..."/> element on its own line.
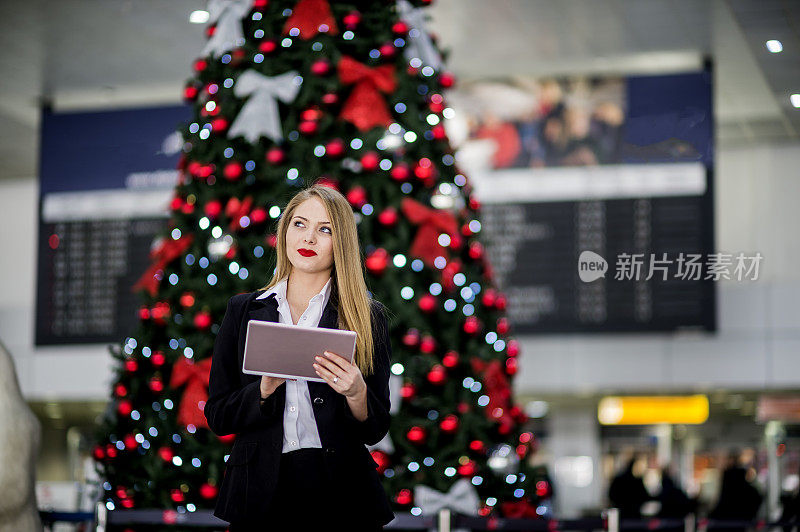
<point x="310" y="229"/>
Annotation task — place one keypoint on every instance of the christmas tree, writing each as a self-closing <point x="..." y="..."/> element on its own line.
<point x="287" y="93"/>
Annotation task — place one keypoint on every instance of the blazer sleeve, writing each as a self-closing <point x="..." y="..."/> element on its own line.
<point x="376" y="425"/>
<point x="232" y="407"/>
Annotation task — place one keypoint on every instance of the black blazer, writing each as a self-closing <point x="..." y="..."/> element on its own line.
<point x="234" y="406"/>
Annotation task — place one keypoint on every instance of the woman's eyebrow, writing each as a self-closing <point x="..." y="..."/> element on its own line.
<point x="306" y="219"/>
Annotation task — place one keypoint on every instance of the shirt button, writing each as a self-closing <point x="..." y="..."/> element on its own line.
<point x="318" y="400"/>
<point x="292" y="409"/>
<point x="293" y="442"/>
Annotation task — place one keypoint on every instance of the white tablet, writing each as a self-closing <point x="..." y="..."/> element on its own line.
<point x="288" y="351"/>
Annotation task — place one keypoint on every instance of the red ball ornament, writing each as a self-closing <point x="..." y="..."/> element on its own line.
<point x="474" y="204"/>
<point x="158" y="358"/>
<point x="437" y="375"/>
<point x="427" y="345"/>
<point x="400" y="172"/>
<point x="111" y="451"/>
<point x="382" y="459"/>
<point x="311" y="114"/>
<point x="320" y="67"/>
<point x="156" y="384"/>
<point x="330" y="98"/>
<point x="468" y="469"/>
<point x="187" y="208"/>
<point x="260" y="4"/>
<point x="388" y="216"/>
<point x="476" y="250"/>
<point x="131" y="365"/>
<point x="213" y="208"/>
<point x="219" y="125"/>
<point x="202" y="320"/>
<point x="190" y="92"/>
<point x="511" y="366"/>
<point x="500" y="303"/>
<point x="471" y="325"/>
<point x="357" y="196"/>
<point x="408" y="391"/>
<point x="274" y="156"/>
<point x="403" y="497"/>
<point x="124" y="408"/>
<point x="377" y="261"/>
<point x="205" y="170"/>
<point x="211" y="30"/>
<point x="259" y="215"/>
<point x="424" y="169"/>
<point x="456" y="242"/>
<point x="120" y="390"/>
<point x="166" y="454"/>
<point x="411" y="338"/>
<point x="489" y="297"/>
<point x="416" y="434"/>
<point x="465" y="230"/>
<point x="438" y="132"/>
<point x="463" y="408"/>
<point x="122" y="492"/>
<point x="522" y="450"/>
<point x="352" y="19"/>
<point x="144" y="313"/>
<point x="369" y="161"/>
<point x="427" y="303"/>
<point x="436" y="106"/>
<point x="307" y="127"/>
<point x="512" y="348"/>
<point x="387" y="49"/>
<point x="267" y="47"/>
<point x="127" y="503"/>
<point x="208" y="491"/>
<point x="449" y="424"/>
<point x="200" y="65"/>
<point x="477" y="446"/>
<point x="334" y="148"/>
<point x="447" y="80"/>
<point x="176" y="203"/>
<point x="271" y="240"/>
<point x="98" y="453"/>
<point x="233" y="170"/>
<point x="176" y="495"/>
<point x="450" y="359"/>
<point x="130" y="442"/>
<point x="502" y="326"/>
<point x="327" y="181"/>
<point x="400" y="27"/>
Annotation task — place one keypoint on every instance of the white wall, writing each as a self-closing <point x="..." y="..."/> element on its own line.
<point x="757" y="346"/>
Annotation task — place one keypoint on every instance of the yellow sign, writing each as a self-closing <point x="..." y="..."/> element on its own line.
<point x="653" y="410"/>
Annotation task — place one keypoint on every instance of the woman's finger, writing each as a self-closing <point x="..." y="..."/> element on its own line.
<point x="338" y="360"/>
<point x="325" y="374"/>
<point x="329" y="365"/>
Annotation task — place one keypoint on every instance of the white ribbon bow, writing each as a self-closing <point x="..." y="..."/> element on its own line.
<point x="419" y="43"/>
<point x="461" y="498"/>
<point x="259" y="116"/>
<point x="227" y="14"/>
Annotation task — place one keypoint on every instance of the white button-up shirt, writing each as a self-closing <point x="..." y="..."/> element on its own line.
<point x="299" y="424"/>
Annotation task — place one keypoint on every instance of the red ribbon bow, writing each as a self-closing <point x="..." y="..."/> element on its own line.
<point x="497" y="389"/>
<point x="366" y="107"/>
<point x="195" y="376"/>
<point x="431" y="223"/>
<point x="235" y="209"/>
<point x="168" y="250"/>
<point x="308" y="15"/>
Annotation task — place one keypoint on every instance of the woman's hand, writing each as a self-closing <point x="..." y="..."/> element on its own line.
<point x="269" y="384"/>
<point x="341" y="375"/>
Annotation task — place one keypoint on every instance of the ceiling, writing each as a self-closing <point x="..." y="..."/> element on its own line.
<point x="120" y="53"/>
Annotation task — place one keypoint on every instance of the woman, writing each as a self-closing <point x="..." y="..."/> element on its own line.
<point x="299" y="461"/>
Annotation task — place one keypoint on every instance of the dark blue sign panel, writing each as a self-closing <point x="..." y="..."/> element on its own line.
<point x="105" y="183"/>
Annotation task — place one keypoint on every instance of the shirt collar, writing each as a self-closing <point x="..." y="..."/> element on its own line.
<point x="280" y="292"/>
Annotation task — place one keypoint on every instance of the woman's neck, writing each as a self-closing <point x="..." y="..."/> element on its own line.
<point x="302" y="286"/>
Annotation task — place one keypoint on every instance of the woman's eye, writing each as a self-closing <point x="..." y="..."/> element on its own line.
<point x="328" y="229"/>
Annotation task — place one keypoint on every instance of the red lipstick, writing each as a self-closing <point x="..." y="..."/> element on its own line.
<point x="306" y="252"/>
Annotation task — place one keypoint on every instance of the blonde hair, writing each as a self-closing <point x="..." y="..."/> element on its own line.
<point x="349" y="289"/>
